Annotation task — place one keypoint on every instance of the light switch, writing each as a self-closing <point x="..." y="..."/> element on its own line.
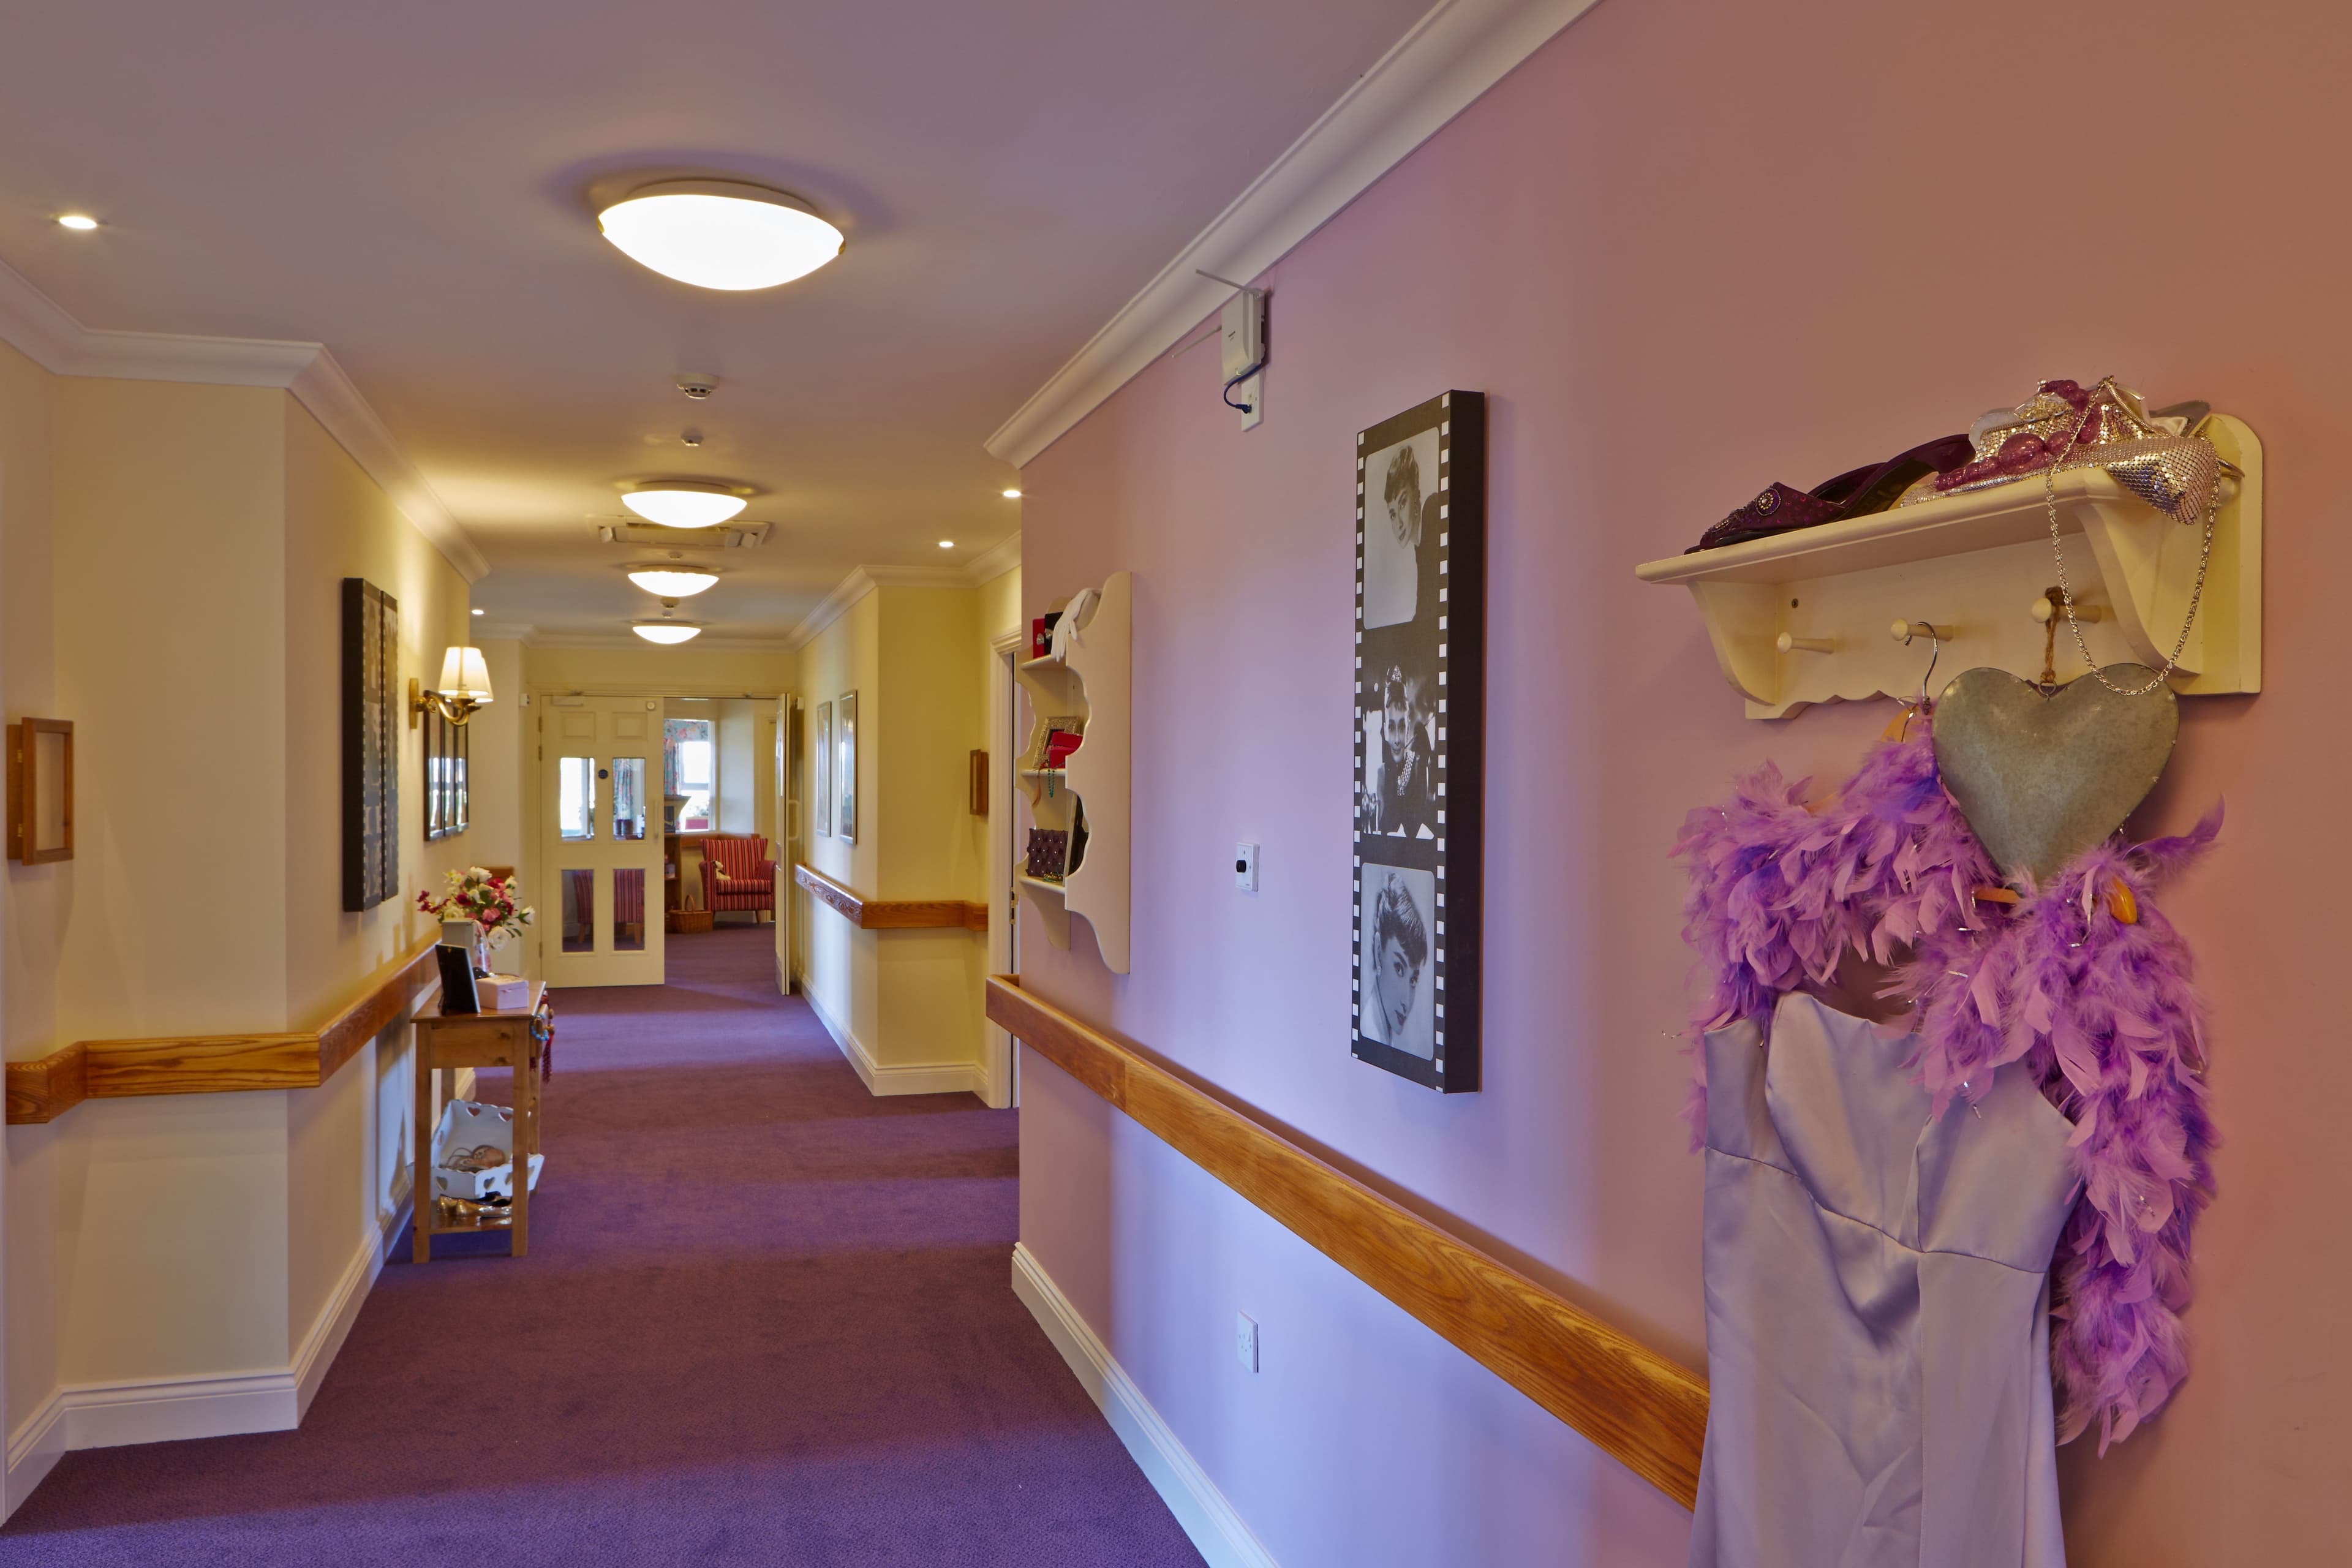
<point x="1245" y="867"/>
<point x="1245" y="1341"/>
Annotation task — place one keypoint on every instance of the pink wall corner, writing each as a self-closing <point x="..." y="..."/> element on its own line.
<point x="1688" y="248"/>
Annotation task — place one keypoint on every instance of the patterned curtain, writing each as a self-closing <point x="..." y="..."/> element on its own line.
<point x="676" y="734"/>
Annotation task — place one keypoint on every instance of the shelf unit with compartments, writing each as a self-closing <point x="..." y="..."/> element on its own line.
<point x="1084" y="687"/>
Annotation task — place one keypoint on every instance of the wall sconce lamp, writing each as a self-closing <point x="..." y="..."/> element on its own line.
<point x="464" y="687"/>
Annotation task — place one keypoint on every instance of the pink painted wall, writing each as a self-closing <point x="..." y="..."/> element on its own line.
<point x="1690" y="248"/>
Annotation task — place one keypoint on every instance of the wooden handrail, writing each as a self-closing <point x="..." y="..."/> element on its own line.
<point x="1646" y="1410"/>
<point x="45" y="1088"/>
<point x="872" y="914"/>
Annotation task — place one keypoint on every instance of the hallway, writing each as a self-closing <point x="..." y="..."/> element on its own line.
<point x="764" y="1320"/>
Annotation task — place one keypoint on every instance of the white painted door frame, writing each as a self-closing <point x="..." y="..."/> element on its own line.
<point x="1003" y="1074"/>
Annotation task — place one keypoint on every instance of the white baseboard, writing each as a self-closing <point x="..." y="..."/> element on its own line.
<point x="1223" y="1540"/>
<point x="911" y="1078"/>
<point x="325" y="1340"/>
<point x="109" y="1415"/>
<point x="34" y="1450"/>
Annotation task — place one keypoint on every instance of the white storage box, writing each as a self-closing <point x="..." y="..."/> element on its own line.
<point x="502" y="993"/>
<point x="466" y="1126"/>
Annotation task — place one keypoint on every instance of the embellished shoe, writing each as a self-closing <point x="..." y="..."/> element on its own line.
<point x="1855" y="493"/>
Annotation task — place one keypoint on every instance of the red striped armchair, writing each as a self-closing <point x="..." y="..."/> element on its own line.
<point x="737" y="874"/>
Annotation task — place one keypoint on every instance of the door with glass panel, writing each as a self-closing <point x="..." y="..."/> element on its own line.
<point x="600" y="763"/>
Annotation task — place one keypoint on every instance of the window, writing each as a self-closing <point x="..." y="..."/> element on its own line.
<point x="575" y="805"/>
<point x="693" y="773"/>
<point x="628" y="797"/>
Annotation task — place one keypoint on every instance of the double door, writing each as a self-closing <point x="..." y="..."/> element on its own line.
<point x="601" y="767"/>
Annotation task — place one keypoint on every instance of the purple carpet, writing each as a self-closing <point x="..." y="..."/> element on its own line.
<point x="765" y="1318"/>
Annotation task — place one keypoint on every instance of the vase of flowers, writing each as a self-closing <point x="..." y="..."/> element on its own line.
<point x="477" y="911"/>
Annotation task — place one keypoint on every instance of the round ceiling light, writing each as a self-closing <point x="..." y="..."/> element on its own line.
<point x="683" y="503"/>
<point x="672" y="581"/>
<point x="720" y="234"/>
<point x="665" y="631"/>
<point x="81" y="221"/>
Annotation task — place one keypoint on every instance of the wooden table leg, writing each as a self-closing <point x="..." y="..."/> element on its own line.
<point x="421" y="1189"/>
<point x="526" y="1115"/>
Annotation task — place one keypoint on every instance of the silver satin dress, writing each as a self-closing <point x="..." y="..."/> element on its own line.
<point x="1877" y="1309"/>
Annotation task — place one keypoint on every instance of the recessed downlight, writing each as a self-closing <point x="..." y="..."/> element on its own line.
<point x="672" y="581"/>
<point x="80" y="222"/>
<point x="720" y="234"/>
<point x="1011" y="495"/>
<point x="683" y="503"/>
<point x="477" y="610"/>
<point x="947" y="545"/>
<point x="665" y="631"/>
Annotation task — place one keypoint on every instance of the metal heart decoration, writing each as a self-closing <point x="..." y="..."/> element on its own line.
<point x="2043" y="778"/>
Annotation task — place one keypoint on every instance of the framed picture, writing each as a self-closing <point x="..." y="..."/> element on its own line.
<point x="40" y="791"/>
<point x="844" y="784"/>
<point x="1421" y="638"/>
<point x="371" y="745"/>
<point x="825" y="768"/>
<point x="457" y="991"/>
<point x="448" y="802"/>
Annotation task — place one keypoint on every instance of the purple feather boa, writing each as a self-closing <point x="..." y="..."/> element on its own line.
<point x="2099" y="1010"/>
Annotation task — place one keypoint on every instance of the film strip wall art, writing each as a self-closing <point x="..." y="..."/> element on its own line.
<point x="1421" y="663"/>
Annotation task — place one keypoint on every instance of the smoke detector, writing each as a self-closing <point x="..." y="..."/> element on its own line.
<point x="697" y="387"/>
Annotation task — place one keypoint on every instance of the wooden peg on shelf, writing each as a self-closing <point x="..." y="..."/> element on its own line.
<point x="2051" y="606"/>
<point x="1902" y="631"/>
<point x="1787" y="643"/>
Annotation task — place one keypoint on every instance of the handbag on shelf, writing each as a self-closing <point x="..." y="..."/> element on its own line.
<point x="2160" y="456"/>
<point x="1048" y="854"/>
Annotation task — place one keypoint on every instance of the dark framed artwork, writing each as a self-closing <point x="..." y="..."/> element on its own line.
<point x="447" y="804"/>
<point x="371" y="745"/>
<point x="1421" y="665"/>
<point x="844" y="784"/>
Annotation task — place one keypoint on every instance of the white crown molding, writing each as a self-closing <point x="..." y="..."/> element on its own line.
<point x="995" y="561"/>
<point x="41" y="329"/>
<point x="1452" y="55"/>
<point x="848" y="591"/>
<point x="336" y="402"/>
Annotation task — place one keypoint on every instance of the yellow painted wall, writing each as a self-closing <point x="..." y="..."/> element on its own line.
<point x="842" y="967"/>
<point x="911" y="999"/>
<point x="688" y="668"/>
<point x="33" y="899"/>
<point x="195" y="538"/>
<point x="339" y="524"/>
<point x="170" y="548"/>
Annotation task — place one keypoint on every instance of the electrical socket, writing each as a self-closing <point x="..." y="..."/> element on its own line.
<point x="1245" y="1341"/>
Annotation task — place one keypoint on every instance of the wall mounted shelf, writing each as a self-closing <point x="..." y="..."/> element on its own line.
<point x="1973" y="566"/>
<point x="1089" y="686"/>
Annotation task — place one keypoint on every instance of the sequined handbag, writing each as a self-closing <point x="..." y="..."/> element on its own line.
<point x="2160" y="456"/>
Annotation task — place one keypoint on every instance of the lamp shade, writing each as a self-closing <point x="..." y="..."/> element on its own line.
<point x="683" y="503"/>
<point x="677" y="582"/>
<point x="720" y="234"/>
<point x="465" y="673"/>
<point x="666" y="631"/>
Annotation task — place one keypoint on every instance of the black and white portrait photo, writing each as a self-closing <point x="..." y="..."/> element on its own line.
<point x="1401" y="551"/>
<point x="1396" y="906"/>
<point x="1399" y="741"/>
<point x="1419" y="680"/>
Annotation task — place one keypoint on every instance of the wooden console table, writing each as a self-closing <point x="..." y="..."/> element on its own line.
<point x="448" y="1041"/>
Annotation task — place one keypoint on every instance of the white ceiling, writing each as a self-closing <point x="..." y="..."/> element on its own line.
<point x="406" y="184"/>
